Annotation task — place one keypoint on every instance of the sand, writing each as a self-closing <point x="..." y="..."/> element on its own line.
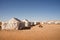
<point x="47" y="32"/>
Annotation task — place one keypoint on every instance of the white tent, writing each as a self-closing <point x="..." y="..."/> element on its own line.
<point x="32" y="23"/>
<point x="12" y="24"/>
<point x="26" y="22"/>
<point x="36" y="23"/>
<point x="57" y="22"/>
<point x="51" y="22"/>
<point x="4" y="25"/>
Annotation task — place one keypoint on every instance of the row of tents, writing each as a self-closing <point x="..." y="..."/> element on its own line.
<point x="51" y="22"/>
<point x="16" y="24"/>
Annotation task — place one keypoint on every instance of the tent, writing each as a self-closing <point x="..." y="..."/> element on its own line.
<point x="51" y="22"/>
<point x="4" y="25"/>
<point x="57" y="22"/>
<point x="26" y="22"/>
<point x="12" y="24"/>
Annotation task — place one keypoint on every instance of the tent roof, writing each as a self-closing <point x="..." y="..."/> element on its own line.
<point x="25" y="20"/>
<point x="14" y="20"/>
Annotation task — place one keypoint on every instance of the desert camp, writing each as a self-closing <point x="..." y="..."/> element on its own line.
<point x="29" y="19"/>
<point x="17" y="24"/>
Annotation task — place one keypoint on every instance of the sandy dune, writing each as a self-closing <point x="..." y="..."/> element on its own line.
<point x="47" y="32"/>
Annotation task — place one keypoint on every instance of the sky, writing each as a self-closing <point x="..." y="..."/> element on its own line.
<point x="33" y="10"/>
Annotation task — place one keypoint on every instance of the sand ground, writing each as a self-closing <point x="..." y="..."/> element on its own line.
<point x="47" y="32"/>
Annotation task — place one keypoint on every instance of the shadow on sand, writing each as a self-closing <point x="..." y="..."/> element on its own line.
<point x="40" y="26"/>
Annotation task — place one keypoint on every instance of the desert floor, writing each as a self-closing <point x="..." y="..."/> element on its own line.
<point x="47" y="32"/>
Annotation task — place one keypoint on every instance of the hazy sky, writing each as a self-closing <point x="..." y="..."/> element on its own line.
<point x="38" y="10"/>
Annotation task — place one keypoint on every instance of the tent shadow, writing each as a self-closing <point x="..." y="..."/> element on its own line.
<point x="25" y="28"/>
<point x="0" y="27"/>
